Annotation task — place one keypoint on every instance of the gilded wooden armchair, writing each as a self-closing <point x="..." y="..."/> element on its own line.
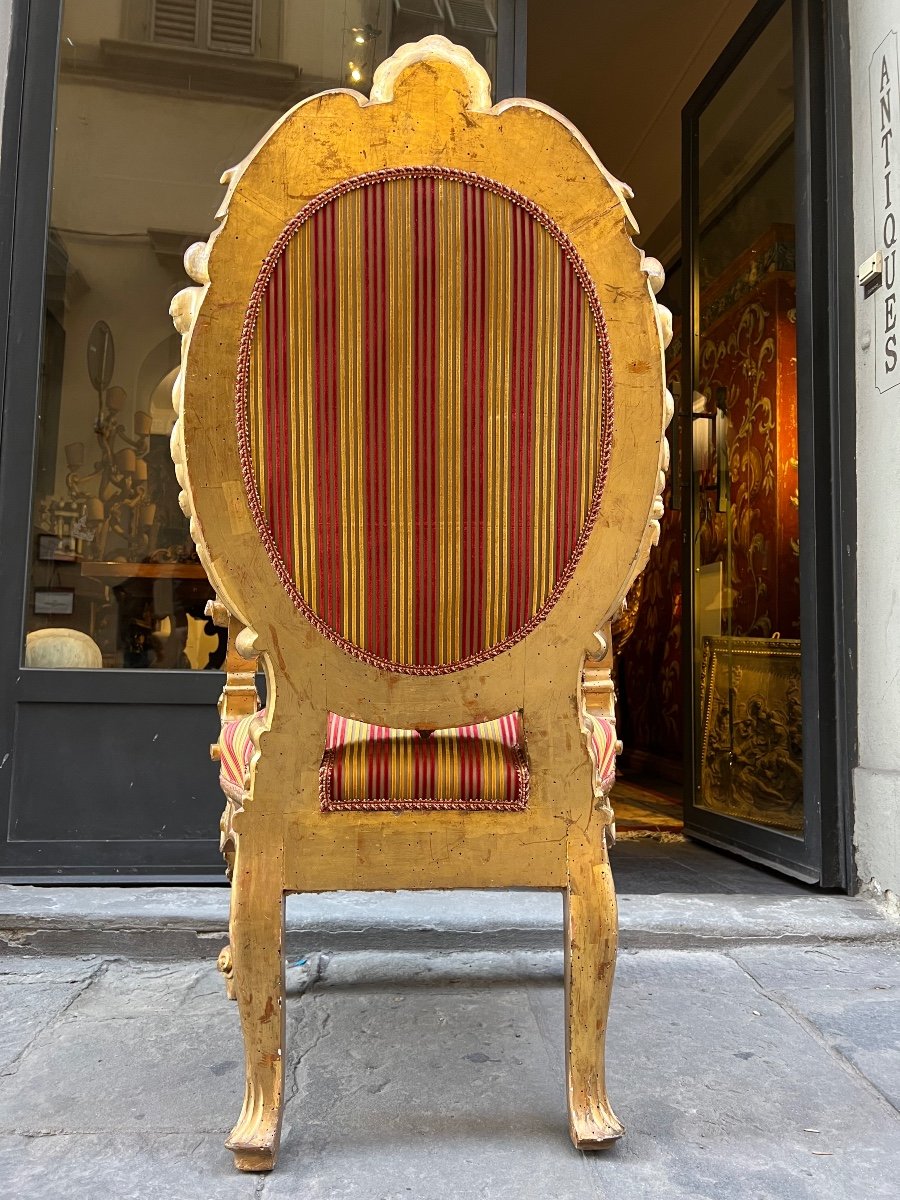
<point x="420" y="439"/>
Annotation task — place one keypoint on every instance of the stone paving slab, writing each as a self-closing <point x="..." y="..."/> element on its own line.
<point x="190" y="923"/>
<point x="139" y="1052"/>
<point x="695" y="870"/>
<point x="718" y="1086"/>
<point x="440" y="1077"/>
<point x="55" y="969"/>
<point x="24" y="1011"/>
<point x="168" y="1167"/>
<point x="849" y="996"/>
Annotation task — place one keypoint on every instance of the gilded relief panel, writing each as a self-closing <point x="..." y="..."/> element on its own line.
<point x="751" y="759"/>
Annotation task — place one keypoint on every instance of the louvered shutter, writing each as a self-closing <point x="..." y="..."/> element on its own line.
<point x="232" y="26"/>
<point x="471" y="16"/>
<point x="420" y="8"/>
<point x="175" y="22"/>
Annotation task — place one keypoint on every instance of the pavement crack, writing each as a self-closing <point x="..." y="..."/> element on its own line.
<point x="850" y="1068"/>
<point x="323" y="1032"/>
<point x="78" y="990"/>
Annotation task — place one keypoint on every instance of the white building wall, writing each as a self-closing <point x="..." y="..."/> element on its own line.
<point x="877" y="779"/>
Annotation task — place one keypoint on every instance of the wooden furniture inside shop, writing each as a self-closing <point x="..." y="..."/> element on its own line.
<point x="420" y="440"/>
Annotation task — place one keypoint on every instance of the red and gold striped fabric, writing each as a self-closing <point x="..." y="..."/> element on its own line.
<point x="424" y="413"/>
<point x="603" y="744"/>
<point x="372" y="767"/>
<point x="236" y="750"/>
<point x="473" y="767"/>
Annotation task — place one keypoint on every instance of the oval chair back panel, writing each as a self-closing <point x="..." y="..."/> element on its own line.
<point x="424" y="415"/>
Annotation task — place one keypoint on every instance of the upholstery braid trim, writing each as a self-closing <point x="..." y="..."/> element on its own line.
<point x="368" y="179"/>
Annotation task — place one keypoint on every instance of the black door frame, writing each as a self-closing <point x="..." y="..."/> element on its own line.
<point x="827" y="443"/>
<point x="134" y="700"/>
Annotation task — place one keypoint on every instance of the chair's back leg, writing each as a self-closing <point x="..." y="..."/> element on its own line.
<point x="591" y="938"/>
<point x="257" y="945"/>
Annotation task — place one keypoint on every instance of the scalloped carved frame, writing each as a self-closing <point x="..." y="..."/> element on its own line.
<point x="430" y="105"/>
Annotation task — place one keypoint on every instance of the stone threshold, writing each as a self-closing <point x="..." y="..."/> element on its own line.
<point x="191" y="922"/>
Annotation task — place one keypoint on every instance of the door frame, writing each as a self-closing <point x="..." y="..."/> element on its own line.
<point x="826" y="441"/>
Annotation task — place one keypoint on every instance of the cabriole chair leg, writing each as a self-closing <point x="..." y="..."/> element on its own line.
<point x="257" y="936"/>
<point x="591" y="938"/>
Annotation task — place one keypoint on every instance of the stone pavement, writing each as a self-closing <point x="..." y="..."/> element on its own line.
<point x="762" y="1061"/>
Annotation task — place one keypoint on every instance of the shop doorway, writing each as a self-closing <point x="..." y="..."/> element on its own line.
<point x="717" y="673"/>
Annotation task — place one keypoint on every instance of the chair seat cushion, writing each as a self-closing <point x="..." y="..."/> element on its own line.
<point x="473" y="767"/>
<point x="373" y="767"/>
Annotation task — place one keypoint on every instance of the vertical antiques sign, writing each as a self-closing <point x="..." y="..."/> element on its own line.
<point x="884" y="93"/>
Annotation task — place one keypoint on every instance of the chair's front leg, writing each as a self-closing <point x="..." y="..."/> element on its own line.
<point x="257" y="946"/>
<point x="591" y="939"/>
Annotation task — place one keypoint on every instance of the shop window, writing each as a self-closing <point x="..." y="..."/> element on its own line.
<point x="154" y="102"/>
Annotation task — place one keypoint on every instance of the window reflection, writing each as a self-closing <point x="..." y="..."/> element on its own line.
<point x="156" y="98"/>
<point x="746" y="514"/>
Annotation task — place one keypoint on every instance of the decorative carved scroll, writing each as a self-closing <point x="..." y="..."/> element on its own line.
<point x="597" y="712"/>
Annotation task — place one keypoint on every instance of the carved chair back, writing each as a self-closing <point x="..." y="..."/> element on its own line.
<point x="426" y="412"/>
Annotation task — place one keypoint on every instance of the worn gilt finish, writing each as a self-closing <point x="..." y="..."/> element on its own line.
<point x="430" y="106"/>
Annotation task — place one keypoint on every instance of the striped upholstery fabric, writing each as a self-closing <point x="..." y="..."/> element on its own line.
<point x="604" y="741"/>
<point x="473" y="767"/>
<point x="235" y="751"/>
<point x="424" y="415"/>
<point x="372" y="767"/>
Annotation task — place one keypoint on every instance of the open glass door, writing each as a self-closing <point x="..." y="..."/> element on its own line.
<point x="740" y="456"/>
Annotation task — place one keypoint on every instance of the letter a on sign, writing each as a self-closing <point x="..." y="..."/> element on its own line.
<point x="884" y="111"/>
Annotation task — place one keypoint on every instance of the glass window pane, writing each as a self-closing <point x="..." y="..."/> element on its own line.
<point x="746" y="529"/>
<point x="154" y="102"/>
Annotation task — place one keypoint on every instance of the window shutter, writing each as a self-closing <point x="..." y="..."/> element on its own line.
<point x="232" y="26"/>
<point x="175" y="22"/>
<point x="471" y="16"/>
<point x="420" y="8"/>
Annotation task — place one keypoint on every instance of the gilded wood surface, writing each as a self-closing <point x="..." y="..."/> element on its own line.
<point x="430" y="105"/>
<point x="434" y="118"/>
